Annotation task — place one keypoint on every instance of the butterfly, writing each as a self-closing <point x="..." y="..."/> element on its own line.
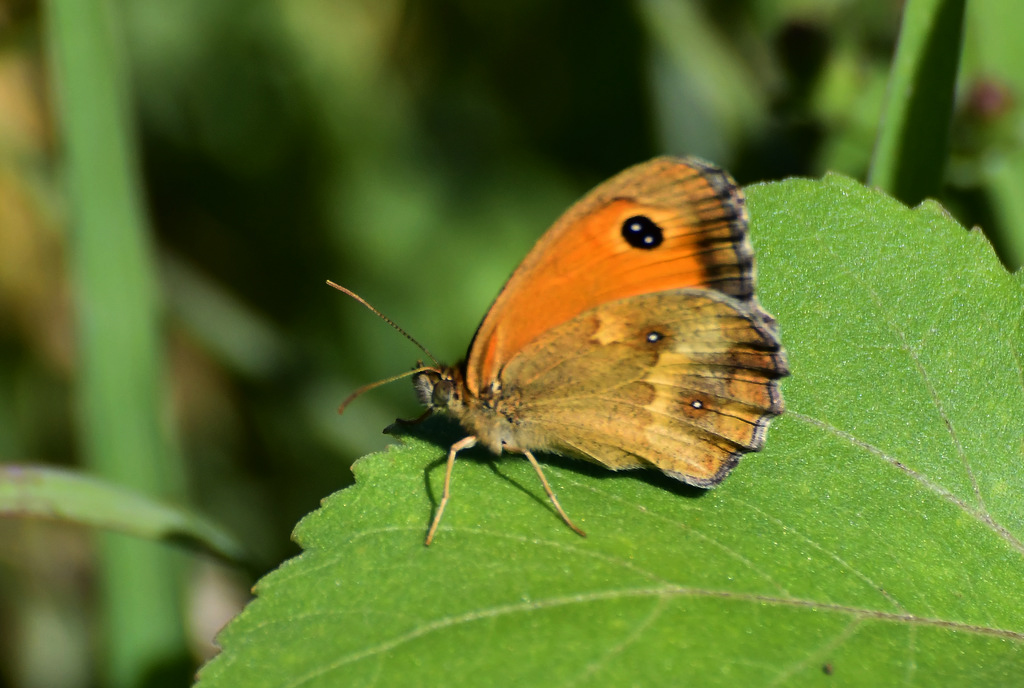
<point x="630" y="336"/>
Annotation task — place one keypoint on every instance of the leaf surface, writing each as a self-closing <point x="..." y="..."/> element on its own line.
<point x="876" y="541"/>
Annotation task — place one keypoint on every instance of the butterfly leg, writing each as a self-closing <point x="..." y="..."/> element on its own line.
<point x="551" y="494"/>
<point x="464" y="443"/>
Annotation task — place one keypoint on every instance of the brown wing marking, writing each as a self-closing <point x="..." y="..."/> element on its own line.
<point x="685" y="381"/>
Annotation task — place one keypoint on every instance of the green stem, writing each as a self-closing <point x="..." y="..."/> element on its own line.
<point x="120" y="375"/>
<point x="913" y="138"/>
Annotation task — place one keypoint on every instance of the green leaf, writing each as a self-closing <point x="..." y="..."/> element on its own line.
<point x="876" y="541"/>
<point x="913" y="138"/>
<point x="53" y="493"/>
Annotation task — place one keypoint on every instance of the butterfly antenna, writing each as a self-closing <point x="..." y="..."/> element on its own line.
<point x="389" y="321"/>
<point x="373" y="385"/>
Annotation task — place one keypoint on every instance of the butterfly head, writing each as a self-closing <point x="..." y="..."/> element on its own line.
<point x="439" y="389"/>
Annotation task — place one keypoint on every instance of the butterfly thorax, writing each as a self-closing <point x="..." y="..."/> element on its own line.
<point x="489" y="416"/>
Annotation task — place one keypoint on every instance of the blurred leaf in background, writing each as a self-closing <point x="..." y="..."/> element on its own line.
<point x="412" y="151"/>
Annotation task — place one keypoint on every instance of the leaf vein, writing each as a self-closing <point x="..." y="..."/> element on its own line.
<point x="980" y="515"/>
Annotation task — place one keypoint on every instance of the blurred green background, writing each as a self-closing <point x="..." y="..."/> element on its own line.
<point x="412" y="151"/>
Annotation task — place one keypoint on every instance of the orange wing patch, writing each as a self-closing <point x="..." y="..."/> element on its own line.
<point x="669" y="223"/>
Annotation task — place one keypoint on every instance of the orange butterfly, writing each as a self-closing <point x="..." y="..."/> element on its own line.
<point x="629" y="336"/>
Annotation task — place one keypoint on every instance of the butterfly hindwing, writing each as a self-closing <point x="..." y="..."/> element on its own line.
<point x="682" y="380"/>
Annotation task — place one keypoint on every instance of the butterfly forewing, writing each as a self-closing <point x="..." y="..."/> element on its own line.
<point x="691" y="231"/>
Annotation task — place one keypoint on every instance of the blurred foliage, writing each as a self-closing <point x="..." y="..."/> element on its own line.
<point x="411" y="151"/>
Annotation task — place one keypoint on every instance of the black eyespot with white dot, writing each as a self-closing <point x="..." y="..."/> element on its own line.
<point x="640" y="231"/>
<point x="697" y="404"/>
<point x="654" y="337"/>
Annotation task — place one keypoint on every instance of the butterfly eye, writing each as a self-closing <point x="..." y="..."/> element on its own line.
<point x="640" y="231"/>
<point x="441" y="395"/>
